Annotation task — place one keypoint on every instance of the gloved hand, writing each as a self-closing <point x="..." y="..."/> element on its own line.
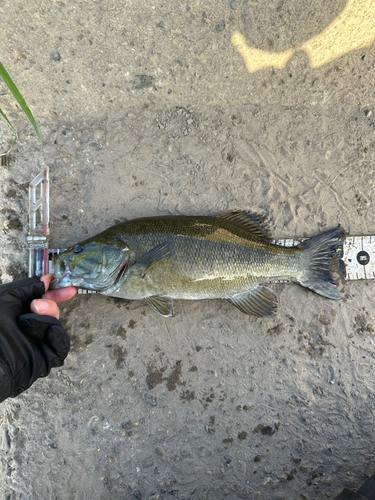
<point x="31" y="343"/>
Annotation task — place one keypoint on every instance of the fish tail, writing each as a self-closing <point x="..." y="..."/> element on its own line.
<point x="317" y="255"/>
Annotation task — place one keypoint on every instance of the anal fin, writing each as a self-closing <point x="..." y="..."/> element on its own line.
<point x="259" y="301"/>
<point x="162" y="305"/>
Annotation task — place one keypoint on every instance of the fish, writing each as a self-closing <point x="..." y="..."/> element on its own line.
<point x="229" y="256"/>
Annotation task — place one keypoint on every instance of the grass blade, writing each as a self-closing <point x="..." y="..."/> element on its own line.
<point x="14" y="130"/>
<point x="21" y="101"/>
<point x="8" y="122"/>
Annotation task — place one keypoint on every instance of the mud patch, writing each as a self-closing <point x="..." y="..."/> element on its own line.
<point x="227" y="442"/>
<point x="266" y="430"/>
<point x="121" y="332"/>
<point x="291" y="475"/>
<point x="312" y="341"/>
<point x="118" y="354"/>
<point x="207" y="399"/>
<point x="324" y="319"/>
<point x="174" y="378"/>
<point x="12" y="221"/>
<point x="156" y="377"/>
<point x="187" y="396"/>
<point x="132" y="324"/>
<point x="82" y="339"/>
<point x="276" y="330"/>
<point x="362" y="326"/>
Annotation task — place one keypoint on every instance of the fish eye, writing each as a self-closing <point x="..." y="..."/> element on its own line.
<point x="78" y="249"/>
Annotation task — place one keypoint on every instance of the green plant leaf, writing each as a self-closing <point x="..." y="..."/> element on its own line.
<point x="14" y="130"/>
<point x="8" y="122"/>
<point x="21" y="101"/>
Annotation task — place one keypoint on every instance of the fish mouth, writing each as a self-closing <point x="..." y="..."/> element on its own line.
<point x="65" y="278"/>
<point x="62" y="274"/>
<point x="62" y="282"/>
<point x="107" y="284"/>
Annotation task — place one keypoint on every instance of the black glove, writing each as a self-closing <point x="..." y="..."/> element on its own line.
<point x="30" y="344"/>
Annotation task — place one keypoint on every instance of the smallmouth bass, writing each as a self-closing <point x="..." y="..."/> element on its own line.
<point x="228" y="256"/>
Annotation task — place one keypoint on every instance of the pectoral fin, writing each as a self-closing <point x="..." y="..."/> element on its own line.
<point x="259" y="301"/>
<point x="162" y="305"/>
<point x="157" y="254"/>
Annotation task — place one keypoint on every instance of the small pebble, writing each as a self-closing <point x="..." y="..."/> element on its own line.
<point x="148" y="461"/>
<point x="55" y="56"/>
<point x="220" y="26"/>
<point x="324" y="320"/>
<point x="127" y="425"/>
<point x="142" y="82"/>
<point x="151" y="400"/>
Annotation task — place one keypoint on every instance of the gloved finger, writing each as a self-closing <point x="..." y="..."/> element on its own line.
<point x="61" y="294"/>
<point x="37" y="326"/>
<point x="54" y="348"/>
<point x="59" y="341"/>
<point x="51" y="359"/>
<point x="45" y="307"/>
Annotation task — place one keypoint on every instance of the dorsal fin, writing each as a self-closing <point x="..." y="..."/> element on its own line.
<point x="256" y="224"/>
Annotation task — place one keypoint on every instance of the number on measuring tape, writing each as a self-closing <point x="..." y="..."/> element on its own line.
<point x="359" y="257"/>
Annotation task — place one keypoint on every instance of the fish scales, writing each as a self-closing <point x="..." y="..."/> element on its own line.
<point x="213" y="258"/>
<point x="200" y="269"/>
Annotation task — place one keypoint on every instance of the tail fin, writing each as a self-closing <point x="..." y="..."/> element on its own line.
<point x="317" y="254"/>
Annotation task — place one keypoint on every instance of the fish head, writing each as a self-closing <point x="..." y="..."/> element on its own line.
<point x="95" y="264"/>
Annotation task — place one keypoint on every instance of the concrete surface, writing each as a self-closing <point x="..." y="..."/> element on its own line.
<point x="146" y="109"/>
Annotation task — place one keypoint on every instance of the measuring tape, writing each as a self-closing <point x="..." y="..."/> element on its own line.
<point x="356" y="261"/>
<point x="359" y="257"/>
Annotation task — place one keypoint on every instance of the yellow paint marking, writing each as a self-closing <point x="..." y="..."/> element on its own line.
<point x="353" y="29"/>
